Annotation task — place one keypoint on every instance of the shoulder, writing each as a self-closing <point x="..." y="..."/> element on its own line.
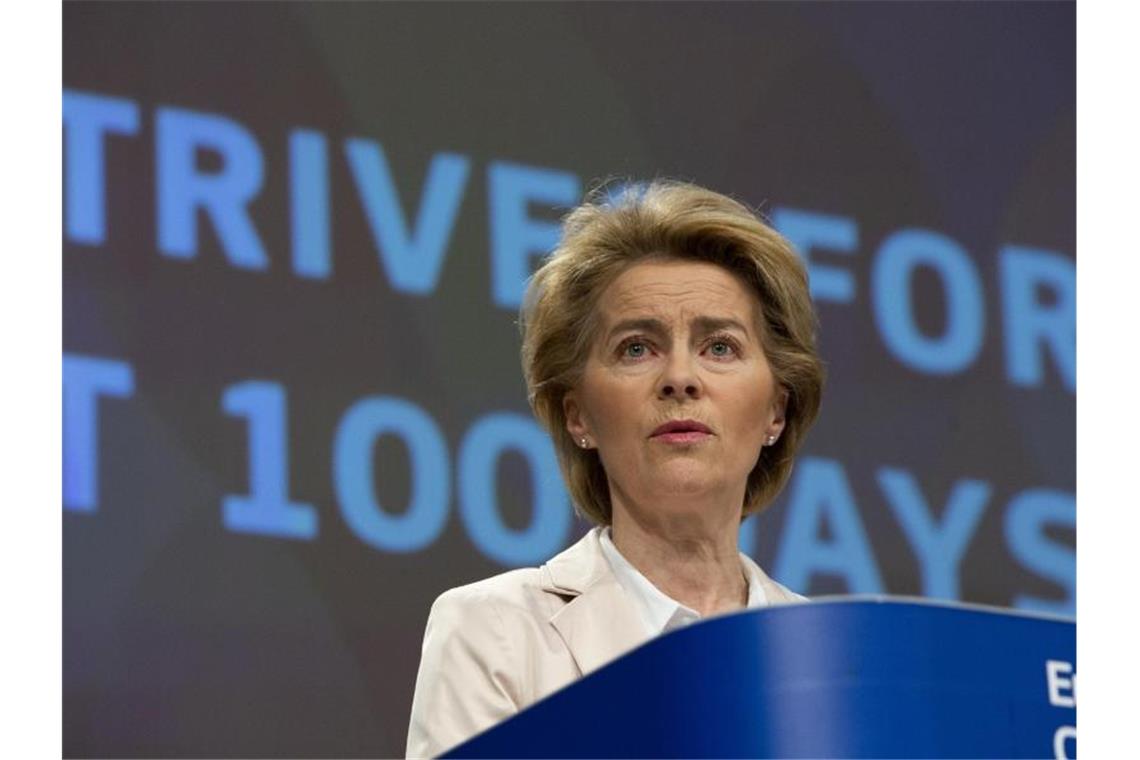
<point x="539" y="591"/>
<point x="513" y="590"/>
<point x="498" y="613"/>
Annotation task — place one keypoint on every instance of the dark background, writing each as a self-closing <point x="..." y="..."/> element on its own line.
<point x="182" y="637"/>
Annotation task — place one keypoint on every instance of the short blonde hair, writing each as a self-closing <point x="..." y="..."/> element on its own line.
<point x="610" y="232"/>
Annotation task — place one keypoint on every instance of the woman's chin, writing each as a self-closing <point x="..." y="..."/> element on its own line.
<point x="690" y="478"/>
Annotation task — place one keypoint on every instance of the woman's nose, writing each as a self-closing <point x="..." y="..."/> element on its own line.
<point x="679" y="378"/>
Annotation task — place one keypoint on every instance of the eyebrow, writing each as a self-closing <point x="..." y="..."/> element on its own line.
<point x="712" y="324"/>
<point x="642" y="324"/>
<point x="703" y="325"/>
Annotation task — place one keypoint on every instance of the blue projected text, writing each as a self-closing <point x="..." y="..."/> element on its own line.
<point x="1036" y="287"/>
<point x="820" y="498"/>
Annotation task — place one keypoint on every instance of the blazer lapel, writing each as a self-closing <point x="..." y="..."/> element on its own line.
<point x="600" y="622"/>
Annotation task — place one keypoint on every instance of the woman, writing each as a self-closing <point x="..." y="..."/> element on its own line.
<point x="669" y="349"/>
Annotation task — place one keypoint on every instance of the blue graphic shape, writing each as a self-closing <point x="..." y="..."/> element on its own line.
<point x="516" y="238"/>
<point x="820" y="492"/>
<point x="412" y="258"/>
<point x="746" y="539"/>
<point x="938" y="544"/>
<point x="808" y="231"/>
<point x="479" y="454"/>
<point x="1027" y="516"/>
<point x="223" y="196"/>
<point x="958" y="346"/>
<point x="309" y="204"/>
<point x="267" y="510"/>
<point x="87" y="120"/>
<point x="353" y="473"/>
<point x="1031" y="326"/>
<point x="85" y="380"/>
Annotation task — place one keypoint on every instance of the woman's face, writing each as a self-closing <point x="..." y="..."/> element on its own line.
<point x="676" y="394"/>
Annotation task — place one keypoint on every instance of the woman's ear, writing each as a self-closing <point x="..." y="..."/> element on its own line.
<point x="575" y="423"/>
<point x="779" y="412"/>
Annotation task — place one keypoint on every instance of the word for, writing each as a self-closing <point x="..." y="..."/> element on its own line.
<point x="1037" y="287"/>
<point x="820" y="500"/>
<point x="1061" y="680"/>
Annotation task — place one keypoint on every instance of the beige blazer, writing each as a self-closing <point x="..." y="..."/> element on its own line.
<point x="497" y="646"/>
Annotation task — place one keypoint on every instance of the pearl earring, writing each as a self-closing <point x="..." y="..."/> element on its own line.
<point x="583" y="442"/>
<point x="771" y="439"/>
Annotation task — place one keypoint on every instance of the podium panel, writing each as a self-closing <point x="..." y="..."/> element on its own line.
<point x="857" y="677"/>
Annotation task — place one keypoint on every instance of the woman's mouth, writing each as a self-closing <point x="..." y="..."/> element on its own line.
<point x="681" y="431"/>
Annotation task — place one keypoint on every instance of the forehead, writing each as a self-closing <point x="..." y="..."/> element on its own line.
<point x="673" y="288"/>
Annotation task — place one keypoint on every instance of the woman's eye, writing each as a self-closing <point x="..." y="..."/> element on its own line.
<point x="635" y="349"/>
<point x="721" y="348"/>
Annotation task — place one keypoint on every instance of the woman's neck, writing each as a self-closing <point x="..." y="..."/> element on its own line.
<point x="691" y="558"/>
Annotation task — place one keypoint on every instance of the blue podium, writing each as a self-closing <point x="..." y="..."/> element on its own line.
<point x="850" y="677"/>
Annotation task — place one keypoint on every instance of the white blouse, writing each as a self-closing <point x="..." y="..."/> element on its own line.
<point x="660" y="612"/>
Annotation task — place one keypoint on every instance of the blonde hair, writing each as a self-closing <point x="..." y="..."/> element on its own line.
<point x="676" y="220"/>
